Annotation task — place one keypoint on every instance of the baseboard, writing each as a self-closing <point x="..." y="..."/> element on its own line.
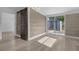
<point x="0" y="36"/>
<point x="17" y="35"/>
<point x="36" y="36"/>
<point x="74" y="37"/>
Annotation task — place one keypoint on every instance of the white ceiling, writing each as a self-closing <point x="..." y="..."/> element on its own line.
<point x="54" y="10"/>
<point x="16" y="8"/>
<point x="47" y="10"/>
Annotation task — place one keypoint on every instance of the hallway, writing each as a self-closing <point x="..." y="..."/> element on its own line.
<point x="32" y="26"/>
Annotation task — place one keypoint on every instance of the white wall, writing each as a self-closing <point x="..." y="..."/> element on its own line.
<point x="7" y="22"/>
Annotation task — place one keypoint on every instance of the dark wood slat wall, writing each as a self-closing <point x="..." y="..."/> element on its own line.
<point x="22" y="24"/>
<point x="18" y="23"/>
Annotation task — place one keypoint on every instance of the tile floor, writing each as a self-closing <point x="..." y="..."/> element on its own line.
<point x="44" y="43"/>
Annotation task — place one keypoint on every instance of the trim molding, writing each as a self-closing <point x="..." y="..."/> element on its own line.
<point x="74" y="37"/>
<point x="0" y="36"/>
<point x="34" y="37"/>
<point x="17" y="35"/>
<point x="28" y="23"/>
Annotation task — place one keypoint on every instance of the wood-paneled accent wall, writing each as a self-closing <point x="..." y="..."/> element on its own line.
<point x="22" y="24"/>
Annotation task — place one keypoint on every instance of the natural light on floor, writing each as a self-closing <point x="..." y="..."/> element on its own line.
<point x="48" y="41"/>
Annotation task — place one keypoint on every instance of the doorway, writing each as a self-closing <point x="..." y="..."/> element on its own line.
<point x="56" y="25"/>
